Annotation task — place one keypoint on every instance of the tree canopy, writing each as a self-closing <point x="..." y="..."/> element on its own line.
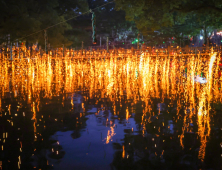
<point x="186" y="17"/>
<point x="19" y="18"/>
<point x="109" y="21"/>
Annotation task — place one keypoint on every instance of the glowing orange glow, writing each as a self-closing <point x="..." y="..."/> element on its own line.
<point x="138" y="77"/>
<point x="123" y="153"/>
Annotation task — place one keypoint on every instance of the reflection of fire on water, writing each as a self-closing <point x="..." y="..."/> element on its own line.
<point x="123" y="153"/>
<point x="203" y="111"/>
<point x="110" y="134"/>
<point x="139" y="78"/>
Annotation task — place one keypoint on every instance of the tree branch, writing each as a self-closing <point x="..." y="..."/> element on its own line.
<point x="202" y="7"/>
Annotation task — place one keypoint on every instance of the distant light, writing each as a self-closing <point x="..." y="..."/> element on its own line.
<point x="123" y="43"/>
<point x="136" y="40"/>
<point x="200" y="79"/>
<point x="201" y="37"/>
<point x="219" y="33"/>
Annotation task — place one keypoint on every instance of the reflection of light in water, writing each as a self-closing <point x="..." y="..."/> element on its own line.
<point x="19" y="162"/>
<point x="110" y="134"/>
<point x="203" y="111"/>
<point x="9" y="109"/>
<point x="127" y="113"/>
<point x="0" y="105"/>
<point x="123" y="153"/>
<point x="35" y="120"/>
<point x="138" y="78"/>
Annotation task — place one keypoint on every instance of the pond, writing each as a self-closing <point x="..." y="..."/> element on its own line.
<point x="141" y="112"/>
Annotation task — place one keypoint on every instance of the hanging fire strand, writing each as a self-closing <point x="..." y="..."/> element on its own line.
<point x="45" y="36"/>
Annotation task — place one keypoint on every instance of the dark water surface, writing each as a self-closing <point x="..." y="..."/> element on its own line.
<point x="129" y="114"/>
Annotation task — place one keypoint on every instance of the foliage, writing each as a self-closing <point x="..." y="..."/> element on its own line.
<point x="24" y="17"/>
<point x="109" y="21"/>
<point x="185" y="17"/>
